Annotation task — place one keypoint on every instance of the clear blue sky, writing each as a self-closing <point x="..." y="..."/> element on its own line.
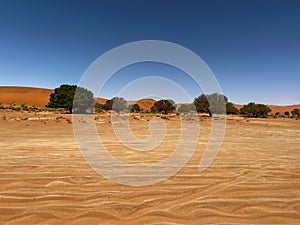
<point x="253" y="47"/>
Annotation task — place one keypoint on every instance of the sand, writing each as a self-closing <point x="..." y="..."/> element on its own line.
<point x="255" y="178"/>
<point x="24" y="95"/>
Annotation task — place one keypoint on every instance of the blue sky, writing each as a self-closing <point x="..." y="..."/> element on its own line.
<point x="253" y="47"/>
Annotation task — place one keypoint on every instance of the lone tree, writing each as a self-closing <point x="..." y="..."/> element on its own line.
<point x="134" y="108"/>
<point x="296" y="113"/>
<point x="64" y="97"/>
<point x="116" y="104"/>
<point x="213" y="103"/>
<point x="255" y="110"/>
<point x="163" y="106"/>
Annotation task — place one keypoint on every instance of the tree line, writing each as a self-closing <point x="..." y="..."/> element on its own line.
<point x="84" y="102"/>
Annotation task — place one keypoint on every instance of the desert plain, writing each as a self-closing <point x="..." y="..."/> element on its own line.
<point x="255" y="178"/>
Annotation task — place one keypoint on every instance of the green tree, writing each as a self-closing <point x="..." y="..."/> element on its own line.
<point x="255" y="110"/>
<point x="163" y="106"/>
<point x="230" y="109"/>
<point x="296" y="113"/>
<point x="64" y="97"/>
<point x="134" y="108"/>
<point x="213" y="103"/>
<point x="287" y="113"/>
<point x="99" y="107"/>
<point x="116" y="104"/>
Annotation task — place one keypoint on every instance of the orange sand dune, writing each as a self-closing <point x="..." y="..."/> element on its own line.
<point x="145" y="104"/>
<point x="40" y="97"/>
<point x="101" y="100"/>
<point x="24" y="95"/>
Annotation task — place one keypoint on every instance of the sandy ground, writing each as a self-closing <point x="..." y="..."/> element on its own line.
<point x="255" y="178"/>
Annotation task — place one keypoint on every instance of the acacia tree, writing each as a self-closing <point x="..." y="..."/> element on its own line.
<point x="230" y="109"/>
<point x="64" y="97"/>
<point x="296" y="113"/>
<point x="255" y="110"/>
<point x="134" y="108"/>
<point x="213" y="103"/>
<point x="116" y="104"/>
<point x="163" y="106"/>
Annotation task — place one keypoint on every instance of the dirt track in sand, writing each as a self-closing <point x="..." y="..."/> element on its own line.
<point x="255" y="178"/>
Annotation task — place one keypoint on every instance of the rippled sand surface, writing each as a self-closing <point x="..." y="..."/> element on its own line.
<point x="255" y="178"/>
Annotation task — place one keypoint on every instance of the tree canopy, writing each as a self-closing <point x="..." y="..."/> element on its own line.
<point x="296" y="113"/>
<point x="163" y="106"/>
<point x="64" y="97"/>
<point x="134" y="108"/>
<point x="230" y="109"/>
<point x="255" y="110"/>
<point x="213" y="103"/>
<point x="116" y="104"/>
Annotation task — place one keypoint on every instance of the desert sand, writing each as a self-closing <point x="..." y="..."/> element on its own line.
<point x="24" y="95"/>
<point x="255" y="178"/>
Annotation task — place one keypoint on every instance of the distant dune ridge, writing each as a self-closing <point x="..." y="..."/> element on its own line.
<point x="40" y="97"/>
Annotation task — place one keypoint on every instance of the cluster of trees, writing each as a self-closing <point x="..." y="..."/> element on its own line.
<point x="83" y="102"/>
<point x="117" y="104"/>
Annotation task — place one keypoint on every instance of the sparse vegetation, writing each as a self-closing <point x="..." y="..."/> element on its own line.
<point x="255" y="110"/>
